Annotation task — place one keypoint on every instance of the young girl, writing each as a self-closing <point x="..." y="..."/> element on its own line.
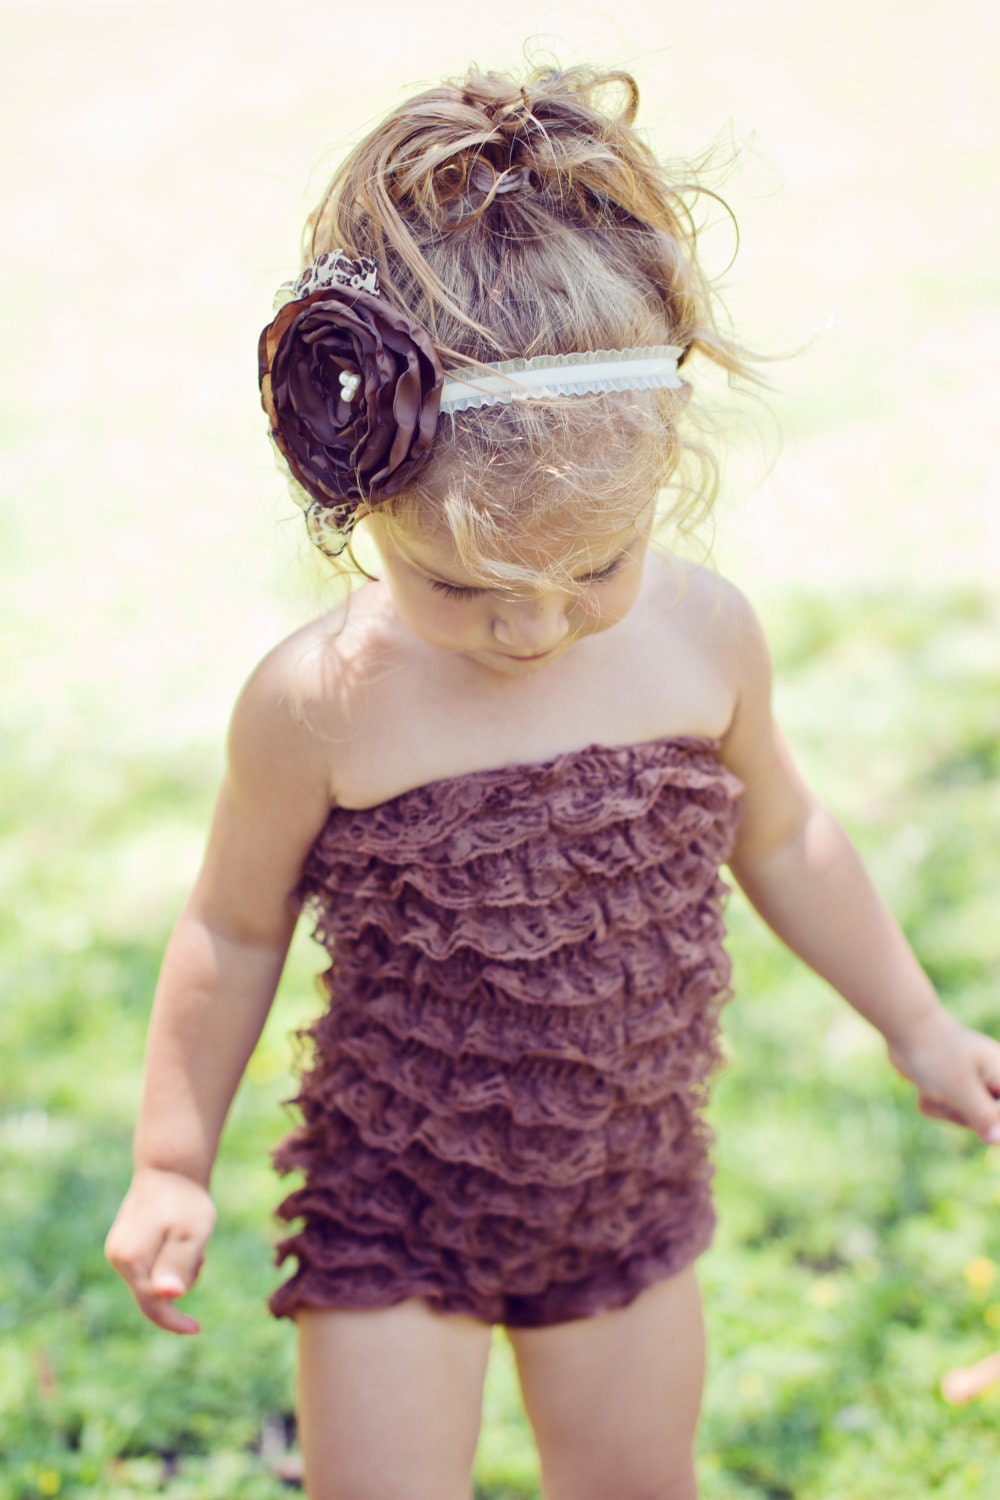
<point x="503" y="781"/>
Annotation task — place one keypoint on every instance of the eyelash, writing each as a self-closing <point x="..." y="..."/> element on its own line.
<point x="454" y="591"/>
<point x="451" y="589"/>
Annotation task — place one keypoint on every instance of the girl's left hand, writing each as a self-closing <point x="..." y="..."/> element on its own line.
<point x="956" y="1072"/>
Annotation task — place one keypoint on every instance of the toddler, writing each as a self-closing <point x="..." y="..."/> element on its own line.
<point x="502" y="780"/>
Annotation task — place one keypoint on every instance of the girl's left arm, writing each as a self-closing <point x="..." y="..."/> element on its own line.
<point x="805" y="878"/>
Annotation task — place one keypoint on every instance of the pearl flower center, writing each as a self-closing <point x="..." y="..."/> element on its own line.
<point x="349" y="383"/>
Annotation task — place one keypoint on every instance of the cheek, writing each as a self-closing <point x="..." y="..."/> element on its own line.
<point x="606" y="606"/>
<point x="440" y="617"/>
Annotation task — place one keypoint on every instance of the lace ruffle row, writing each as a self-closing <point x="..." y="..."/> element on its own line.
<point x="502" y="1110"/>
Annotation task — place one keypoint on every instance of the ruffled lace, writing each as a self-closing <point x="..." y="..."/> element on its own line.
<point x="502" y="1112"/>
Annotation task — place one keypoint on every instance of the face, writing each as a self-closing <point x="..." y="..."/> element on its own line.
<point x="509" y="631"/>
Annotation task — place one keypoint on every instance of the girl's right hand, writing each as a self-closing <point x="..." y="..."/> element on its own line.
<point x="157" y="1243"/>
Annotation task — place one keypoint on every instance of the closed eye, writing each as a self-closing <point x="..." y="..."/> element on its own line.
<point x="605" y="573"/>
<point x="453" y="590"/>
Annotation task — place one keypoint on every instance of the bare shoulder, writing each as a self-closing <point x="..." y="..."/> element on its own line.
<point x="730" y="644"/>
<point x="707" y="608"/>
<point x="710" y="622"/>
<point x="280" y="782"/>
<point x="299" y="702"/>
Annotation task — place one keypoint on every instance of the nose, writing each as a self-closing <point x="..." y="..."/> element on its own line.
<point x="528" y="627"/>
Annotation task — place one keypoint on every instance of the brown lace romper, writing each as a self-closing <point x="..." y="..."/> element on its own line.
<point x="503" y="1108"/>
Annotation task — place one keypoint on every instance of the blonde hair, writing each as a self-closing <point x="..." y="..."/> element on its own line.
<point x="520" y="218"/>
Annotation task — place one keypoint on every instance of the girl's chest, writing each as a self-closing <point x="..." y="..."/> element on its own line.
<point x="412" y="727"/>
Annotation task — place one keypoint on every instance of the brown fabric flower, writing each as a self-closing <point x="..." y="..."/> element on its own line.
<point x="352" y="389"/>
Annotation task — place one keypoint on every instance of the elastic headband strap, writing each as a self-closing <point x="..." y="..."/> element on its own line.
<point x="649" y="368"/>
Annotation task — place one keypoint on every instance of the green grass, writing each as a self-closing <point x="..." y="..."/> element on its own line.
<point x="836" y="1291"/>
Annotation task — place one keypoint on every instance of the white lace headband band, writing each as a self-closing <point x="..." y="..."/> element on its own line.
<point x="588" y="373"/>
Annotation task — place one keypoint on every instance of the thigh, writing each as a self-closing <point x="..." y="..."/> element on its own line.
<point x="389" y="1401"/>
<point x="614" y="1399"/>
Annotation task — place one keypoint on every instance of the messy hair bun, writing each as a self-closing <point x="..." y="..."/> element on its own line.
<point x="518" y="219"/>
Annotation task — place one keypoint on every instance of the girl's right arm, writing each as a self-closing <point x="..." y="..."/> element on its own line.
<point x="219" y="975"/>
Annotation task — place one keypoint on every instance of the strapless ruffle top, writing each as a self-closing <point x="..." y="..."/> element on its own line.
<point x="502" y="1106"/>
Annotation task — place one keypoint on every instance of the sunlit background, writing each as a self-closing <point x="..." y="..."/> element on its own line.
<point x="157" y="162"/>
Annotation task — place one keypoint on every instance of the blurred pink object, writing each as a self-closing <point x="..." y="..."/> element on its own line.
<point x="960" y="1386"/>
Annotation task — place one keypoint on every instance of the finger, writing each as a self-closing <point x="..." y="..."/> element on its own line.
<point x="983" y="1115"/>
<point x="936" y="1109"/>
<point x="173" y="1274"/>
<point x="133" y="1265"/>
<point x="973" y="1105"/>
<point x="960" y="1386"/>
<point x="989" y="1069"/>
<point x="162" y="1312"/>
<point x="986" y="1120"/>
<point x="178" y="1261"/>
<point x="130" y="1256"/>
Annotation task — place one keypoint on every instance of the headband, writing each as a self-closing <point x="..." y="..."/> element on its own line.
<point x="646" y="369"/>
<point x="353" y="389"/>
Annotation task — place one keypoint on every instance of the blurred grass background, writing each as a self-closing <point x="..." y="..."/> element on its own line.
<point x="160" y="158"/>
